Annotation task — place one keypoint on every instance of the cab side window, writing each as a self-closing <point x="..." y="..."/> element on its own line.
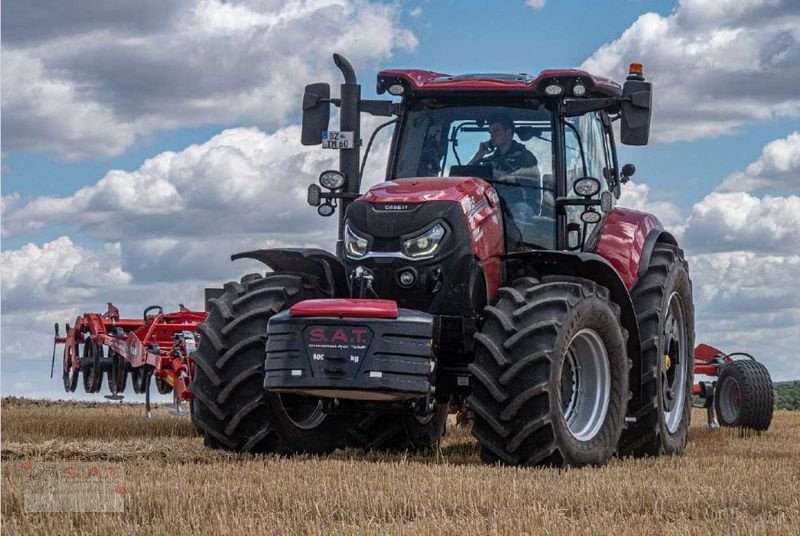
<point x="587" y="155"/>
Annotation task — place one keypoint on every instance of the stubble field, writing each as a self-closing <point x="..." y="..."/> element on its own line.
<point x="724" y="484"/>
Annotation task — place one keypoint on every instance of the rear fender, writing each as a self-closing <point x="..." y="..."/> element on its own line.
<point x="627" y="239"/>
<point x="588" y="266"/>
<point x="315" y="262"/>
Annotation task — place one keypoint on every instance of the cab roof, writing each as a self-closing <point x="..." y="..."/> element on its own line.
<point x="417" y="82"/>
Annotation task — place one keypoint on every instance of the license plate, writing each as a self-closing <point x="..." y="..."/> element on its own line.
<point x="332" y="139"/>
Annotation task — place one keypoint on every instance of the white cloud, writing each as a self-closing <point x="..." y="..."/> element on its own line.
<point x="8" y="201"/>
<point x="743" y="260"/>
<point x="240" y="181"/>
<point x="535" y="4"/>
<point x="746" y="282"/>
<point x="741" y="222"/>
<point x="743" y="303"/>
<point x="58" y="272"/>
<point x="87" y="86"/>
<point x="715" y="65"/>
<point x="731" y="12"/>
<point x="416" y="12"/>
<point x="636" y="196"/>
<point x="46" y="112"/>
<point x="181" y="215"/>
<point x="776" y="171"/>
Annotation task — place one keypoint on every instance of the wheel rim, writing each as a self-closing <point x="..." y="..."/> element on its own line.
<point x="305" y="412"/>
<point x="585" y="385"/>
<point x="675" y="362"/>
<point x="729" y="400"/>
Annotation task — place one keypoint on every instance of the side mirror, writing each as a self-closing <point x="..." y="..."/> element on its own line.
<point x="636" y="108"/>
<point x="316" y="113"/>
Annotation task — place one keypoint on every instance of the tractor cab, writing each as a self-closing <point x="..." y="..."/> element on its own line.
<point x="556" y="174"/>
<point x="450" y="139"/>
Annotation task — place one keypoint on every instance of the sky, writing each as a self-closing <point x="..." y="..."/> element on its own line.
<point x="145" y="142"/>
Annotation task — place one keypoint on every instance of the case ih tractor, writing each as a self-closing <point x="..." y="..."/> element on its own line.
<point x="491" y="270"/>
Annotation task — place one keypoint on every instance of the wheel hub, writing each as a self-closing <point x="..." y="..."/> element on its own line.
<point x="585" y="385"/>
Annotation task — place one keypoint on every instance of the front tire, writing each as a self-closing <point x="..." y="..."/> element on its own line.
<point x="232" y="410"/>
<point x="662" y="300"/>
<point x="550" y="376"/>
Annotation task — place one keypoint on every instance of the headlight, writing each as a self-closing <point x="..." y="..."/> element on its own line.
<point x="354" y="245"/>
<point x="586" y="187"/>
<point x="331" y="179"/>
<point x="425" y="244"/>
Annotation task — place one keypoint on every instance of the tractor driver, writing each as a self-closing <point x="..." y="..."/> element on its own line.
<point x="502" y="152"/>
<point x="511" y="161"/>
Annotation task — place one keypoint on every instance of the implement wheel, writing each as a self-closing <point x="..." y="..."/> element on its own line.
<point x="231" y="408"/>
<point x="662" y="299"/>
<point x="550" y="376"/>
<point x="744" y="397"/>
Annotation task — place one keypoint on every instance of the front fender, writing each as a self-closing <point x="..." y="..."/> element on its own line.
<point x="316" y="262"/>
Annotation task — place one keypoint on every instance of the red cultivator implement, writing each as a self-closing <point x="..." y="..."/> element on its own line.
<point x="741" y="394"/>
<point x="157" y="345"/>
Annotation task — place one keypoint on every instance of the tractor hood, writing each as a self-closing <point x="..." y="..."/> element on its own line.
<point x="422" y="189"/>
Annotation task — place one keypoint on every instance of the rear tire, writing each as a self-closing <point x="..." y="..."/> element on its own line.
<point x="662" y="300"/>
<point x="744" y="397"/>
<point x="231" y="408"/>
<point x="550" y="376"/>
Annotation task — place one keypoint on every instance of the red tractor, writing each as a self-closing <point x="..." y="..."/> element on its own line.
<point x="491" y="270"/>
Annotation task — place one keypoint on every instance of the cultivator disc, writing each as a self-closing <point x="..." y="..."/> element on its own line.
<point x="162" y="386"/>
<point x="117" y="375"/>
<point x="139" y="380"/>
<point x="91" y="366"/>
<point x="70" y="372"/>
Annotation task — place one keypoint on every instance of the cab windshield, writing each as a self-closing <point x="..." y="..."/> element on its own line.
<point x="509" y="147"/>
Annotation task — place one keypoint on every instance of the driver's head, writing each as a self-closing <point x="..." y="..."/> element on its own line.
<point x="501" y="131"/>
